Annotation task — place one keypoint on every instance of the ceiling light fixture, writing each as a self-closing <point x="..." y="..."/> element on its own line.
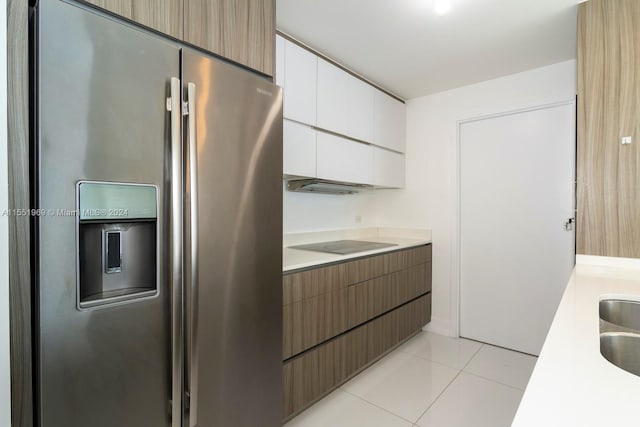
<point x="443" y="6"/>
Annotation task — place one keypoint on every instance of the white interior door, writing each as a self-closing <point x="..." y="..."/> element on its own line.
<point x="516" y="192"/>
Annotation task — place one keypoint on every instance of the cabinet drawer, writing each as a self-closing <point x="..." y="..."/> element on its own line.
<point x="310" y="283"/>
<point x="315" y="373"/>
<point x="369" y="299"/>
<point x="371" y="267"/>
<point x="310" y="321"/>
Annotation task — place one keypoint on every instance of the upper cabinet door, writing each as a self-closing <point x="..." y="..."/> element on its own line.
<point x="241" y="30"/>
<point x="300" y="80"/>
<point x="345" y="103"/>
<point x="164" y="16"/>
<point x="340" y="159"/>
<point x="389" y="122"/>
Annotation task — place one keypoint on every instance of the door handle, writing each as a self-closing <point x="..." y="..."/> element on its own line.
<point x="192" y="273"/>
<point x="568" y="224"/>
<point x="174" y="104"/>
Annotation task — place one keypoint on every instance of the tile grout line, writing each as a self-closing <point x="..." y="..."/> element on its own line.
<point x="447" y="387"/>
<point x="495" y="382"/>
<point x="490" y="379"/>
<point x="377" y="406"/>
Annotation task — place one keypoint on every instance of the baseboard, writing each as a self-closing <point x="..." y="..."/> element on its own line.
<point x="438" y="326"/>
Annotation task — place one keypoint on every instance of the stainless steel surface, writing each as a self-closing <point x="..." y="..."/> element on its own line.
<point x="625" y="314"/>
<point x="192" y="260"/>
<point x="622" y="349"/>
<point x="343" y="247"/>
<point x="137" y="275"/>
<point x="101" y="113"/>
<point x="239" y="163"/>
<point x="176" y="242"/>
<point x="103" y="206"/>
<point x="321" y="186"/>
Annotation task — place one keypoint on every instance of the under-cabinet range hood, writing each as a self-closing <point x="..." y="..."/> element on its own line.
<point x="322" y="186"/>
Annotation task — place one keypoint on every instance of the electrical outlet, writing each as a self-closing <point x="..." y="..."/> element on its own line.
<point x="626" y="140"/>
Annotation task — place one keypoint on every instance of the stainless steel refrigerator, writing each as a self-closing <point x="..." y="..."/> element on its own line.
<point x="158" y="177"/>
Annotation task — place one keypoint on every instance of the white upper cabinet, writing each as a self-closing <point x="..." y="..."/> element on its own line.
<point x="299" y="150"/>
<point x="389" y="122"/>
<point x="388" y="168"/>
<point x="345" y="103"/>
<point x="300" y="72"/>
<point x="280" y="45"/>
<point x="340" y="159"/>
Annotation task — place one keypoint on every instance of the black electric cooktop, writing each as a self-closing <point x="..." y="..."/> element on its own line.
<point x="343" y="247"/>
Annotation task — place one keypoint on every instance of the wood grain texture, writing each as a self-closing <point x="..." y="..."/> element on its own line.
<point x="241" y="30"/>
<point x="320" y="303"/>
<point x="608" y="173"/>
<point x="314" y="374"/>
<point x="310" y="283"/>
<point x="310" y="321"/>
<point x="369" y="299"/>
<point x="165" y="16"/>
<point x="19" y="246"/>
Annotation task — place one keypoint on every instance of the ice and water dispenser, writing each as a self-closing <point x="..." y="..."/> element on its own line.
<point x="117" y="243"/>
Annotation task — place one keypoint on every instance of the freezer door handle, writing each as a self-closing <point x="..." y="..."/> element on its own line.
<point x="174" y="104"/>
<point x="192" y="285"/>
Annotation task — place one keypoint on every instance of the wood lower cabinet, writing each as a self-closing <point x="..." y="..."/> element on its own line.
<point x="164" y="16"/>
<point x="241" y="30"/>
<point x="315" y="373"/>
<point x="338" y="319"/>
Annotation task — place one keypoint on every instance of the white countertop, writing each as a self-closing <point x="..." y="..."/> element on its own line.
<point x="294" y="259"/>
<point x="572" y="384"/>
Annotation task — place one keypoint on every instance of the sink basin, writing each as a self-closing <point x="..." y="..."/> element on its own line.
<point x="625" y="314"/>
<point x="622" y="349"/>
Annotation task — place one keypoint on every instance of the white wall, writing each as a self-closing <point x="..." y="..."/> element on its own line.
<point x="428" y="201"/>
<point x="5" y="396"/>
<point x="305" y="212"/>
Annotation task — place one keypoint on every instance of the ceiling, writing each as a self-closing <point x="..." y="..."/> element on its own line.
<point x="407" y="48"/>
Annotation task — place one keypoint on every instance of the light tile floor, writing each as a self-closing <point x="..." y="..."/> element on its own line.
<point x="430" y="381"/>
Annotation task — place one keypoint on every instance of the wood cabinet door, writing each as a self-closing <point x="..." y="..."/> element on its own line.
<point x="164" y="16"/>
<point x="241" y="30"/>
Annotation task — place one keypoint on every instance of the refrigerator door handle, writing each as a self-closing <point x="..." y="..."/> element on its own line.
<point x="174" y="104"/>
<point x="192" y="286"/>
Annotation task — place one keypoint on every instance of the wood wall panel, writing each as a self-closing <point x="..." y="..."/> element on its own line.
<point x="242" y="30"/>
<point x="608" y="173"/>
<point x="19" y="233"/>
<point x="165" y="16"/>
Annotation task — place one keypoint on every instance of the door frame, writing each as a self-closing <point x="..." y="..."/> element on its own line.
<point x="454" y="292"/>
